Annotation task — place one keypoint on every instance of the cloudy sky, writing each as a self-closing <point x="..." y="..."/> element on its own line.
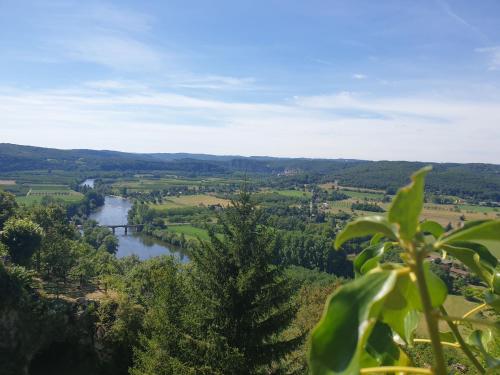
<point x="397" y="80"/>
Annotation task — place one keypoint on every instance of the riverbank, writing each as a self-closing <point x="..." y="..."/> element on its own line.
<point x="115" y="212"/>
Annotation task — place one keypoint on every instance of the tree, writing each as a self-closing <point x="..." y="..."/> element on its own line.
<point x="22" y="238"/>
<point x="238" y="281"/>
<point x="58" y="257"/>
<point x="100" y="237"/>
<point x="163" y="347"/>
<point x="8" y="206"/>
<point x="55" y="256"/>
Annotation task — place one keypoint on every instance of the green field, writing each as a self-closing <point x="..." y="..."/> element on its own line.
<point x="472" y="208"/>
<point x="189" y="231"/>
<point x="190" y="201"/>
<point x="37" y="192"/>
<point x="293" y="193"/>
<point x="363" y="195"/>
<point x="144" y="184"/>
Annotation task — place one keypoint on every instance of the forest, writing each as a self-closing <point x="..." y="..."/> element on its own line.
<point x="478" y="181"/>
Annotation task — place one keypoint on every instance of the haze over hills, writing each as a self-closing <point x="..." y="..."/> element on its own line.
<point x="481" y="181"/>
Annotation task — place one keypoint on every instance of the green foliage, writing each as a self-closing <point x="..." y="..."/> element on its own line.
<point x="100" y="237"/>
<point x="313" y="251"/>
<point x="347" y="324"/>
<point x="337" y="195"/>
<point x="118" y="321"/>
<point x="385" y="300"/>
<point x="365" y="226"/>
<point x="365" y="206"/>
<point x="8" y="206"/>
<point x="165" y="346"/>
<point x="407" y="205"/>
<point x="22" y="238"/>
<point x="246" y="297"/>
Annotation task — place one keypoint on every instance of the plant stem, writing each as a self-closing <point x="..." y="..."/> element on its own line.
<point x="474" y="310"/>
<point x="432" y="323"/>
<point x="462" y="343"/>
<point x="388" y="369"/>
<point x="445" y="343"/>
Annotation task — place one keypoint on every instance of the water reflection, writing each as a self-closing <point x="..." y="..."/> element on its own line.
<point x="114" y="212"/>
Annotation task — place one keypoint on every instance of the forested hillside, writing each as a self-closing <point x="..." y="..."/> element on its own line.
<point x="477" y="181"/>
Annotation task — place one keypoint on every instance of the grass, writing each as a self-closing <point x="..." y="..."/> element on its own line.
<point x="293" y="193"/>
<point x="481" y="209"/>
<point x="363" y="194"/>
<point x="189" y="231"/>
<point x="191" y="201"/>
<point x="33" y="199"/>
<point x="38" y="191"/>
<point x="145" y="184"/>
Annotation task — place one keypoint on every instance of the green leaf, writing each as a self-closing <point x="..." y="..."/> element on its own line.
<point x="496" y="283"/>
<point x="437" y="288"/>
<point x="366" y="226"/>
<point x="407" y="205"/>
<point x="432" y="227"/>
<point x="381" y="350"/>
<point x="492" y="300"/>
<point x="476" y="257"/>
<point x="376" y="239"/>
<point x="403" y="304"/>
<point x="488" y="230"/>
<point x="369" y="257"/>
<point x="480" y="340"/>
<point x="339" y="339"/>
<point x="400" y="308"/>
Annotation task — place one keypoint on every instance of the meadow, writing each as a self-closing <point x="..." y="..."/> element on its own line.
<point x="190" y="201"/>
<point x="189" y="231"/>
<point x="36" y="192"/>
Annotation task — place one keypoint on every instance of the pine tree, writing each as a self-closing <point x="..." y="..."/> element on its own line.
<point x="245" y="299"/>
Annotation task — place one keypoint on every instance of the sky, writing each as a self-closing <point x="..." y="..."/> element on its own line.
<point x="377" y="80"/>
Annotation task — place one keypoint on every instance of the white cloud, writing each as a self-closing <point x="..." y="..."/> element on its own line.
<point x="151" y="120"/>
<point x="216" y="82"/>
<point x="359" y="76"/>
<point x="114" y="85"/>
<point x="121" y="53"/>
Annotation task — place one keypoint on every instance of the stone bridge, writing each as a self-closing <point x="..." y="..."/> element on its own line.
<point x="126" y="227"/>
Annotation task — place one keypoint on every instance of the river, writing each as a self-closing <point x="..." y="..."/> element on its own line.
<point x="114" y="212"/>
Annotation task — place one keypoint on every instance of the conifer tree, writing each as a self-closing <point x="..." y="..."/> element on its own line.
<point x="240" y="286"/>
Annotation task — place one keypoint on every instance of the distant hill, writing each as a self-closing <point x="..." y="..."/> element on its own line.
<point x="480" y="181"/>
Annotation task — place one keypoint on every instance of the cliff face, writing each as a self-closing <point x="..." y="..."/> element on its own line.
<point x="34" y="328"/>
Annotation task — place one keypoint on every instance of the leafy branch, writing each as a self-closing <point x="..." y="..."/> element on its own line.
<point x="370" y="322"/>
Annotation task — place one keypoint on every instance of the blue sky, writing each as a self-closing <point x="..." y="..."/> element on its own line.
<point x="397" y="80"/>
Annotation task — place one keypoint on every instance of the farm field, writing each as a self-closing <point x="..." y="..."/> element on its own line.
<point x="189" y="231"/>
<point x="144" y="184"/>
<point x="293" y="193"/>
<point x="363" y="195"/>
<point x="191" y="201"/>
<point x="481" y="209"/>
<point x="443" y="214"/>
<point x="36" y="193"/>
